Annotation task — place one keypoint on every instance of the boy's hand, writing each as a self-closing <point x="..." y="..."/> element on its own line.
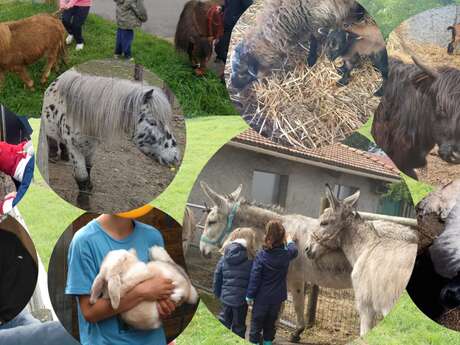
<point x="165" y="307"/>
<point x="154" y="289"/>
<point x="288" y="238"/>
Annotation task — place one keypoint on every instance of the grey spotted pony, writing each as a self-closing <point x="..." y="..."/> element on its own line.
<point x="79" y="111"/>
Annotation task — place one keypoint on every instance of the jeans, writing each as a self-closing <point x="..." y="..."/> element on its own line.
<point x="26" y="180"/>
<point x="73" y="20"/>
<point x="234" y="318"/>
<point x="124" y="41"/>
<point x="263" y="322"/>
<point x="24" y="329"/>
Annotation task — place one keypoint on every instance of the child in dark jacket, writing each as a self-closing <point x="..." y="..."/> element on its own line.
<point x="231" y="280"/>
<point x="130" y="14"/>
<point x="268" y="287"/>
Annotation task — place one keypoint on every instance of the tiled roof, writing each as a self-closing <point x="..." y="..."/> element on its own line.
<point x="338" y="155"/>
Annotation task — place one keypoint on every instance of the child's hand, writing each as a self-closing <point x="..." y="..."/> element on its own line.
<point x="154" y="289"/>
<point x="165" y="307"/>
<point x="288" y="238"/>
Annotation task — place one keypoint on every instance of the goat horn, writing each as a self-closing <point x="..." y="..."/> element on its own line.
<point x="428" y="70"/>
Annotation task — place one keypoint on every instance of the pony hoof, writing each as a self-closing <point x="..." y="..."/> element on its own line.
<point x="199" y="72"/>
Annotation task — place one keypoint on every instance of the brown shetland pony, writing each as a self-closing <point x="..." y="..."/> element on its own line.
<point x="25" y="41"/>
<point x="200" y="24"/>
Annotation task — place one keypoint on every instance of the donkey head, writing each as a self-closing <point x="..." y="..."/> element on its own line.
<point x="443" y="86"/>
<point x="327" y="236"/>
<point x="153" y="135"/>
<point x="217" y="227"/>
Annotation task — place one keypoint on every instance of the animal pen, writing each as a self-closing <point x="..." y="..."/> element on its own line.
<point x="331" y="316"/>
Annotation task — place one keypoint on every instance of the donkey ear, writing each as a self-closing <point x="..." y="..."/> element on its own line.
<point x="352" y="199"/>
<point x="334" y="203"/>
<point x="423" y="80"/>
<point x="215" y="198"/>
<point x="236" y="194"/>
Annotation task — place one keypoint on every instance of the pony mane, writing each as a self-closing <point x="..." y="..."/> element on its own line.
<point x="105" y="107"/>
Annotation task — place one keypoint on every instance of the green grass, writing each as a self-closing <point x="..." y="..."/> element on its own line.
<point x="197" y="96"/>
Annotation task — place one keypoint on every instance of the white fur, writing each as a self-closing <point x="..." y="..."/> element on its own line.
<point x="121" y="271"/>
<point x="445" y="250"/>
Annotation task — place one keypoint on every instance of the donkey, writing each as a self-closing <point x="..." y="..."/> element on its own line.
<point x="419" y="109"/>
<point x="79" y="111"/>
<point x="188" y="229"/>
<point x="382" y="255"/>
<point x="26" y="41"/>
<point x="231" y="211"/>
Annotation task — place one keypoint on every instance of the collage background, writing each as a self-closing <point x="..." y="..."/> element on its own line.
<point x="47" y="215"/>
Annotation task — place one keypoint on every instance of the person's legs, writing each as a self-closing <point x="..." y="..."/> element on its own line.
<point x="225" y="316"/>
<point x="23" y="319"/>
<point x="128" y="41"/>
<point x="257" y="322"/>
<point x="239" y="320"/>
<point x="47" y="333"/>
<point x="26" y="180"/>
<point x="119" y="42"/>
<point x="269" y="327"/>
<point x="81" y="13"/>
<point x="67" y="20"/>
<point x="221" y="47"/>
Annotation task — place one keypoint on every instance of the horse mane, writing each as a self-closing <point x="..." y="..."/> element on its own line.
<point x="5" y="37"/>
<point x="105" y="107"/>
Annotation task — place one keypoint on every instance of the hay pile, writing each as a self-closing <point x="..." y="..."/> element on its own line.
<point x="451" y="319"/>
<point x="306" y="107"/>
<point x="303" y="106"/>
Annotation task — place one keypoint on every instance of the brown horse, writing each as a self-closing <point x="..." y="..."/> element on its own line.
<point x="200" y="24"/>
<point x="25" y="41"/>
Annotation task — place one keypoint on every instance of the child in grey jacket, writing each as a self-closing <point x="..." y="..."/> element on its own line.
<point x="130" y="15"/>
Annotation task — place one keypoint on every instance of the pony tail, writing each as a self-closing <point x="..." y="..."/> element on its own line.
<point x="5" y="37"/>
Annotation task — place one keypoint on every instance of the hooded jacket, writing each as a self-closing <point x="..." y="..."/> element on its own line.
<point x="130" y="14"/>
<point x="268" y="276"/>
<point x="231" y="277"/>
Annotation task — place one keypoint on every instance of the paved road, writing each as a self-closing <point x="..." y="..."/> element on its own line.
<point x="163" y="14"/>
<point x="430" y="26"/>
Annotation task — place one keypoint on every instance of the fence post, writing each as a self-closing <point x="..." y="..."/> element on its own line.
<point x="313" y="296"/>
<point x="138" y="72"/>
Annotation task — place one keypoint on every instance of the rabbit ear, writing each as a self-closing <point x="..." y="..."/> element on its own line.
<point x="114" y="287"/>
<point x="96" y="289"/>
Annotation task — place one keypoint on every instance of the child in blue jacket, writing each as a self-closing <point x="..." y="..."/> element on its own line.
<point x="267" y="286"/>
<point x="231" y="279"/>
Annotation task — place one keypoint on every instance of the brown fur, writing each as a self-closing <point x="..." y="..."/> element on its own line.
<point x="371" y="38"/>
<point x="25" y="41"/>
<point x="192" y="33"/>
<point x="417" y="112"/>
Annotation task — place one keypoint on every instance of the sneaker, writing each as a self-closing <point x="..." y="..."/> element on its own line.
<point x="79" y="46"/>
<point x="69" y="39"/>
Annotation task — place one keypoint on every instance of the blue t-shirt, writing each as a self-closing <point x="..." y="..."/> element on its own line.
<point x="88" y="248"/>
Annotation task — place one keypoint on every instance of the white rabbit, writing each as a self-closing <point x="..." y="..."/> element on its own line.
<point x="121" y="270"/>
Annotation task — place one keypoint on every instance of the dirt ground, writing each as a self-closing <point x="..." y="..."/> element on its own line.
<point x="336" y="318"/>
<point x="123" y="178"/>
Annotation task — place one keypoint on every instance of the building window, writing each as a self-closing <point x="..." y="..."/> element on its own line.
<point x="342" y="192"/>
<point x="269" y="188"/>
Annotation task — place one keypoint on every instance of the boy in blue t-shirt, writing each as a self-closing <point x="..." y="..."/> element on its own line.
<point x="99" y="323"/>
